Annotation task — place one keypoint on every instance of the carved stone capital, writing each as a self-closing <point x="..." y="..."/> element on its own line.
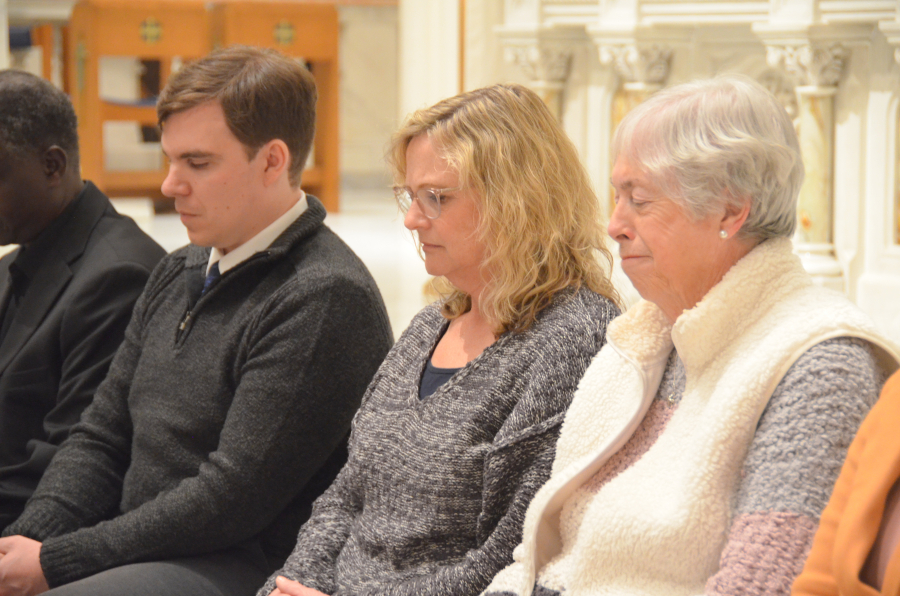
<point x="779" y="84"/>
<point x="810" y="64"/>
<point x="891" y="30"/>
<point x="648" y="65"/>
<point x="548" y="64"/>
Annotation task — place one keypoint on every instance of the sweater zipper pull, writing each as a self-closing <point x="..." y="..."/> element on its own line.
<point x="184" y="322"/>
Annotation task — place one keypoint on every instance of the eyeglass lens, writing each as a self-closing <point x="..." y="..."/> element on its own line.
<point x="429" y="202"/>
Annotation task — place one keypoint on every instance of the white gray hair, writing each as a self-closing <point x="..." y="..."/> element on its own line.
<point x="715" y="143"/>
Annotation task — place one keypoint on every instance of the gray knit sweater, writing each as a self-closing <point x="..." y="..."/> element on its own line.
<point x="432" y="498"/>
<point x="219" y="427"/>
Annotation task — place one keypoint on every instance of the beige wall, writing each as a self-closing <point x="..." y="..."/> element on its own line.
<point x="369" y="88"/>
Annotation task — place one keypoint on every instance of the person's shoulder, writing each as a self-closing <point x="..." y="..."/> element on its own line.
<point x="316" y="252"/>
<point x="836" y="357"/>
<point x="429" y="318"/>
<point x="550" y="358"/>
<point x="325" y="244"/>
<point x="116" y="255"/>
<point x="566" y="335"/>
<point x="322" y="258"/>
<point x="839" y="374"/>
<point x="590" y="301"/>
<point x="316" y="267"/>
<point x="126" y="241"/>
<point x="171" y="265"/>
<point x="116" y="238"/>
<point x="577" y="310"/>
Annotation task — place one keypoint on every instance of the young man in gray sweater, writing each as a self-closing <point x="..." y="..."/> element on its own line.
<point x="226" y="409"/>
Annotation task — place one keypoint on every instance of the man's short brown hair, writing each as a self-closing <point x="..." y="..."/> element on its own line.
<point x="264" y="95"/>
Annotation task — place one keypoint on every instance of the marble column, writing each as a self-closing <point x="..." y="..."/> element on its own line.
<point x="429" y="53"/>
<point x="547" y="67"/>
<point x="642" y="71"/>
<point x="815" y="107"/>
<point x="891" y="31"/>
<point x="892" y="210"/>
<point x="896" y="227"/>
<point x="818" y="68"/>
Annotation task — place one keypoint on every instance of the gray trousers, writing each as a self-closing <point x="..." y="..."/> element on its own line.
<point x="234" y="572"/>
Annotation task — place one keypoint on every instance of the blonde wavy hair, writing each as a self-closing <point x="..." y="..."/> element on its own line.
<point x="540" y="220"/>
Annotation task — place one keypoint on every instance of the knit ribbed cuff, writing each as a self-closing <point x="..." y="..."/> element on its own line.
<point x="62" y="560"/>
<point x="42" y="519"/>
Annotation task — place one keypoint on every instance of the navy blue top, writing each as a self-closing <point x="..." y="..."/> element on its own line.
<point x="434" y="377"/>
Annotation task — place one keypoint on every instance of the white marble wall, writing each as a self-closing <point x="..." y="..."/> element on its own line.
<point x="369" y="109"/>
<point x="613" y="49"/>
<point x="872" y="160"/>
<point x="483" y="60"/>
<point x="429" y="52"/>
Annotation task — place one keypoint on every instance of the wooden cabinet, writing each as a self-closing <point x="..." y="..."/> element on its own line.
<point x="308" y="32"/>
<point x="147" y="29"/>
<point x="163" y="30"/>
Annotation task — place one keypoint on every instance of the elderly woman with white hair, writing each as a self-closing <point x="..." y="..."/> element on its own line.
<point x="705" y="437"/>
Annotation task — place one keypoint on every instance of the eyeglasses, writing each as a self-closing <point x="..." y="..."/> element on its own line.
<point x="430" y="199"/>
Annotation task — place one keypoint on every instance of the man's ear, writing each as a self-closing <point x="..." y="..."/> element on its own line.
<point x="277" y="160"/>
<point x="56" y="162"/>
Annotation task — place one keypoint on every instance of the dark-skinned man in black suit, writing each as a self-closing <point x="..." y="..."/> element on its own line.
<point x="67" y="292"/>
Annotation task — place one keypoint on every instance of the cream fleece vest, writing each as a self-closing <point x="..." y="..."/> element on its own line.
<point x="659" y="527"/>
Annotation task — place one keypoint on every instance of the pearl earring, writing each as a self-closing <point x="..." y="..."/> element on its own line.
<point x="723" y="234"/>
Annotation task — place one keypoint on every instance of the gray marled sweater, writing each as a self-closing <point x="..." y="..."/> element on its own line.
<point x="219" y="427"/>
<point x="433" y="495"/>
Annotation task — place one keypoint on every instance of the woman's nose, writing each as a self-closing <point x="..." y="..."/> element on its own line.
<point x="619" y="228"/>
<point x="415" y="218"/>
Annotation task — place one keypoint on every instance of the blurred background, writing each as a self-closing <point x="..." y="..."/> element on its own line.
<point x="834" y="64"/>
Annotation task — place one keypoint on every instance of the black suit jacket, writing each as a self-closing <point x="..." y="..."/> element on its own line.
<point x="67" y="328"/>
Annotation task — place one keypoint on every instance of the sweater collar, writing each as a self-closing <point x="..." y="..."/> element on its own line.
<point x="643" y="334"/>
<point x="304" y="226"/>
<point x="751" y="288"/>
<point x="746" y="292"/>
<point x="260" y="242"/>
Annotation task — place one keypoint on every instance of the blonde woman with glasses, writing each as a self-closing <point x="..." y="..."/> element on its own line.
<point x="457" y="429"/>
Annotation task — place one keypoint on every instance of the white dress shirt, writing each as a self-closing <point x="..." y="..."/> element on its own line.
<point x="258" y="243"/>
